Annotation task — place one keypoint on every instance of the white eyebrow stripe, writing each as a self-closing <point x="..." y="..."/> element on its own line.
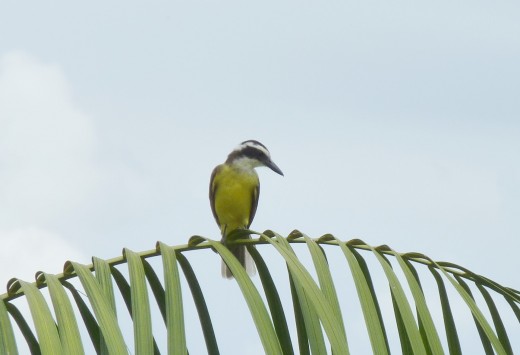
<point x="253" y="145"/>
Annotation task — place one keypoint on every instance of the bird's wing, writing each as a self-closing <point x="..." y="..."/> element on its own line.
<point x="254" y="203"/>
<point x="213" y="186"/>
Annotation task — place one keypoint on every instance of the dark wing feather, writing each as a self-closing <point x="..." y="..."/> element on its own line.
<point x="212" y="190"/>
<point x="254" y="203"/>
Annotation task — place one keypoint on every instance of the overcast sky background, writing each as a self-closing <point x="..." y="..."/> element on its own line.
<point x="396" y="123"/>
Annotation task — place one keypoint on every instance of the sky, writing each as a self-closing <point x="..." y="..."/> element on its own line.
<point x="396" y="123"/>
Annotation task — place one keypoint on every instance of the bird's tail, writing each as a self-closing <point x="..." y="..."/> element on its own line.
<point x="240" y="252"/>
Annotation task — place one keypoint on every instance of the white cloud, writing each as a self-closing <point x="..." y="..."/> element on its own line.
<point x="46" y="143"/>
<point x="46" y="166"/>
<point x="28" y="250"/>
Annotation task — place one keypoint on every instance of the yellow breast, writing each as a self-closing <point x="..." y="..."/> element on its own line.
<point x="235" y="192"/>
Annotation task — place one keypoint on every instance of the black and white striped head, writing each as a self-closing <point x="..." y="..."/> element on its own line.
<point x="252" y="154"/>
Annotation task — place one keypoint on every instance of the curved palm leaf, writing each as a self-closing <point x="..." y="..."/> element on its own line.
<point x="319" y="311"/>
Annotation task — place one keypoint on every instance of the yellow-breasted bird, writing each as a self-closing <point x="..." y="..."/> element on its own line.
<point x="234" y="189"/>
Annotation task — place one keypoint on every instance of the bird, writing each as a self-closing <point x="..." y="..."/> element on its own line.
<point x="234" y="189"/>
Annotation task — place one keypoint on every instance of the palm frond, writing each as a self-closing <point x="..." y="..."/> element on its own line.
<point x="84" y="301"/>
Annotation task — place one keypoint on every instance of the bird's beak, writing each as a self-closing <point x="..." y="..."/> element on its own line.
<point x="273" y="167"/>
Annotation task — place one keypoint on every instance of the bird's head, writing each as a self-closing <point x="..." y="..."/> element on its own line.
<point x="251" y="154"/>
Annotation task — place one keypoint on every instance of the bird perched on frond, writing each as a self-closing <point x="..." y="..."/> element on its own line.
<point x="233" y="193"/>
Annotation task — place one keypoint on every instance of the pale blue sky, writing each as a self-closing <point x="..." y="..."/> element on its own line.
<point x="397" y="123"/>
